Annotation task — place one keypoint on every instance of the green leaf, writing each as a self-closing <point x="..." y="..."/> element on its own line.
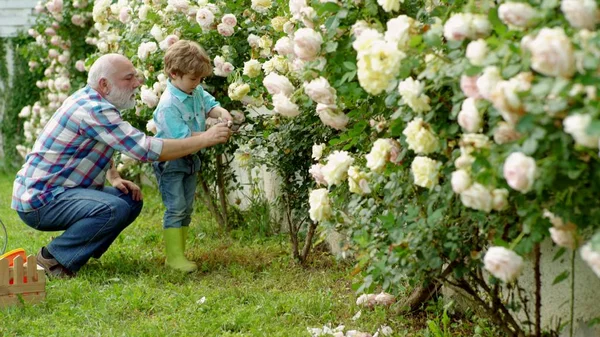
<point x="563" y="276"/>
<point x="511" y="70"/>
<point x="594" y="128"/>
<point x="349" y="65"/>
<point x="560" y="253"/>
<point x="328" y="7"/>
<point x="499" y="27"/>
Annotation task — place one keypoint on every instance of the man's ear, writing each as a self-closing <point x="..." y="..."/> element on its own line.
<point x="104" y="86"/>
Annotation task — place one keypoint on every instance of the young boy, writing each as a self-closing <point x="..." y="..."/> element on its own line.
<point x="181" y="113"/>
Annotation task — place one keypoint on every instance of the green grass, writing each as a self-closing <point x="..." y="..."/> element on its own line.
<point x="251" y="287"/>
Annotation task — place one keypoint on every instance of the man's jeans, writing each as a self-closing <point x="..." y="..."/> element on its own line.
<point x="91" y="220"/>
<point x="177" y="185"/>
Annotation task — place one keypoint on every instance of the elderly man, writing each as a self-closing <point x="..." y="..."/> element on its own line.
<point x="61" y="185"/>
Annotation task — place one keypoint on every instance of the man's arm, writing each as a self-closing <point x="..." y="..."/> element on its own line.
<point x="177" y="148"/>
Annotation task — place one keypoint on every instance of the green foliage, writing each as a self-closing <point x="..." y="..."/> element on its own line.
<point x="21" y="92"/>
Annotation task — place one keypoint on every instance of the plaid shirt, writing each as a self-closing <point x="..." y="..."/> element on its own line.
<point x="75" y="150"/>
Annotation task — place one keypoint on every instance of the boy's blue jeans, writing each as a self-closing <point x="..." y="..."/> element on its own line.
<point x="177" y="186"/>
<point x="91" y="220"/>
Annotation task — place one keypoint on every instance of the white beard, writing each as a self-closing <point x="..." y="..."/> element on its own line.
<point x="122" y="99"/>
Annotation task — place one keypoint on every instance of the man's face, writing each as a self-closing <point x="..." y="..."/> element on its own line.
<point x="123" y="85"/>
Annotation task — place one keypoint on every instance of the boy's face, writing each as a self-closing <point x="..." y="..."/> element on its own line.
<point x="186" y="83"/>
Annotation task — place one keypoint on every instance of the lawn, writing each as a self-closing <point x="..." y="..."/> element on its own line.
<point x="246" y="286"/>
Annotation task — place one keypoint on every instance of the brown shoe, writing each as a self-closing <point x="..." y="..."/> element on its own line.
<point x="53" y="268"/>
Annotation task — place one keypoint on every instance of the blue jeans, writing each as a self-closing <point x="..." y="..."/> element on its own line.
<point x="91" y="220"/>
<point x="177" y="186"/>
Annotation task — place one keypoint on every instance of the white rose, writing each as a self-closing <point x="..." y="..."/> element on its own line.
<point x="420" y="138"/>
<point x="252" y="68"/>
<point x="461" y="180"/>
<point x="412" y="92"/>
<point x="425" y="171"/>
<point x="276" y="84"/>
<point x="253" y="41"/>
<point x="238" y="90"/>
<point x="229" y="19"/>
<point x="499" y="199"/>
<point x="261" y="6"/>
<point x="357" y="181"/>
<point x="469" y="117"/>
<point x="284" y="46"/>
<point x="330" y="116"/>
<point x="320" y="91"/>
<point x="468" y="85"/>
<point x="307" y="44"/>
<point x="552" y="53"/>
<point x="296" y="7"/>
<point x="157" y="33"/>
<point x="504" y="264"/>
<point x="517" y="14"/>
<point x="317" y="151"/>
<point x="316" y="171"/>
<point x="145" y="49"/>
<point x="149" y="97"/>
<point x="591" y="257"/>
<point x="565" y="236"/>
<point x="477" y="197"/>
<point x="151" y="126"/>
<point x="320" y="208"/>
<point x="581" y="14"/>
<point x="486" y="83"/>
<point x="205" y="18"/>
<point x="336" y="169"/>
<point x="390" y="5"/>
<point x="520" y="172"/>
<point x="225" y="30"/>
<point x="379" y="155"/>
<point x="168" y="42"/>
<point x="284" y="106"/>
<point x="576" y="125"/>
<point x="399" y="30"/>
<point x="477" y="52"/>
<point x="458" y="27"/>
<point x="25" y="112"/>
<point x="385" y="299"/>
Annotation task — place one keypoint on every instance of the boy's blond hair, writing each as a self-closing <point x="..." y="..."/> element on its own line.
<point x="187" y="57"/>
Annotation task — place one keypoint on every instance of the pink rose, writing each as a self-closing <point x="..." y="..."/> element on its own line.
<point x="520" y="172"/>
<point x="307" y="44"/>
<point x="229" y="19"/>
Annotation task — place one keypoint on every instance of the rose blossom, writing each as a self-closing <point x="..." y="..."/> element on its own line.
<point x="125" y="15"/>
<point x="330" y="116"/>
<point x="225" y="29"/>
<point x="486" y="83"/>
<point x="468" y="85"/>
<point x="307" y="44"/>
<point x="320" y="208"/>
<point x="419" y="137"/>
<point x="576" y="125"/>
<point x="168" y="42"/>
<point x="499" y="199"/>
<point x="517" y="14"/>
<point x="284" y="106"/>
<point x="149" y="97"/>
<point x="379" y="155"/>
<point x="425" y="171"/>
<point x="252" y="68"/>
<point x="284" y="46"/>
<point x="316" y="171"/>
<point x="552" y="53"/>
<point x="357" y="181"/>
<point x="581" y="14"/>
<point x="229" y="19"/>
<point x="477" y="197"/>
<point x="336" y="169"/>
<point x="504" y="264"/>
<point x="469" y="117"/>
<point x="320" y="91"/>
<point x="276" y="84"/>
<point x="317" y="151"/>
<point x="520" y="171"/>
<point x="461" y="180"/>
<point x="390" y="5"/>
<point x="505" y="133"/>
<point x="477" y="52"/>
<point x="205" y="18"/>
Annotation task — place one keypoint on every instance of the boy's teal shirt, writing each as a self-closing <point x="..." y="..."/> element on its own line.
<point x="178" y="114"/>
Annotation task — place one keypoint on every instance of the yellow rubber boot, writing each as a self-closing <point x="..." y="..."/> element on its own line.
<point x="174" y="247"/>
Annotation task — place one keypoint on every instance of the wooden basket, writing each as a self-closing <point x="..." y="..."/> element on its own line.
<point x="21" y="282"/>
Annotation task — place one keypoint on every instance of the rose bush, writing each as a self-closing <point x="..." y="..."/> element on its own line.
<point x="438" y="138"/>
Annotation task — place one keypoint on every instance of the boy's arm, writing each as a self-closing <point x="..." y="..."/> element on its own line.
<point x="219" y="112"/>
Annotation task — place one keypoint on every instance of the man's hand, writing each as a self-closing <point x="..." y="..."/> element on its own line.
<point x="217" y="134"/>
<point x="127" y="186"/>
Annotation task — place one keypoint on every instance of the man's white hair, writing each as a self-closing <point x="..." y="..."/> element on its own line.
<point x="102" y="68"/>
